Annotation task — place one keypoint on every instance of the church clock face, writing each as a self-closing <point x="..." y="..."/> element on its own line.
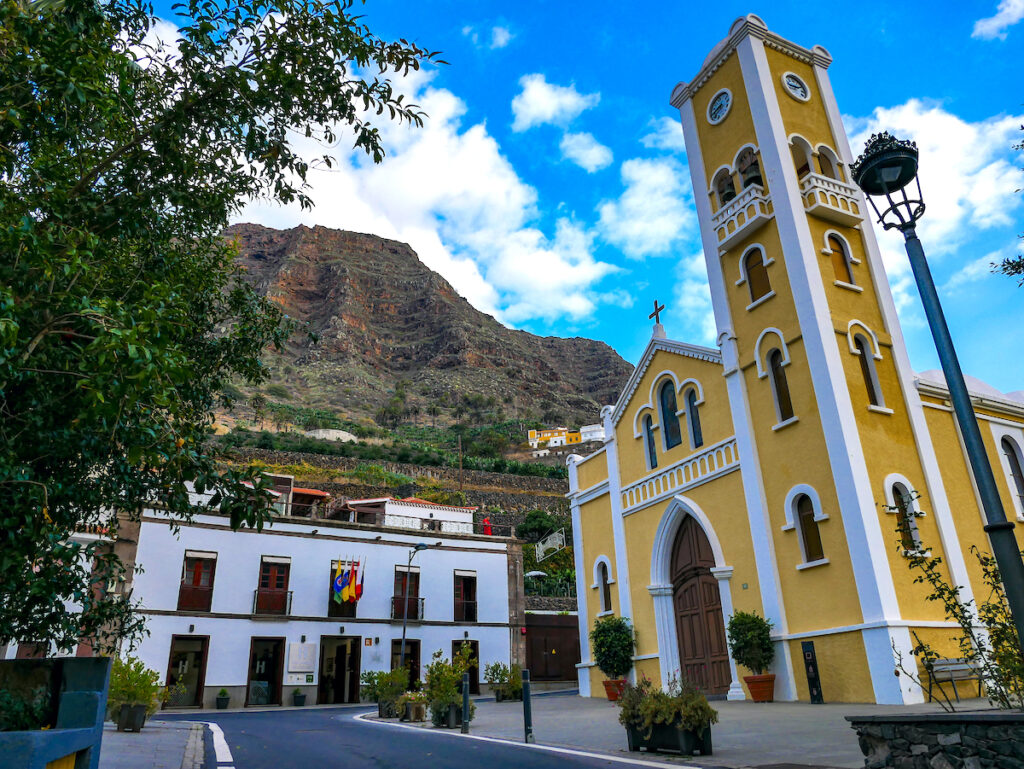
<point x="719" y="106"/>
<point x="796" y="87"/>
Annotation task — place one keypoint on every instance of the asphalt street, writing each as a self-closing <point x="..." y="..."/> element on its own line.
<point x="333" y="739"/>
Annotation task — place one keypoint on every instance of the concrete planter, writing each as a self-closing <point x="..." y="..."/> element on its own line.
<point x="79" y="686"/>
<point x="669" y="738"/>
<point x="965" y="740"/>
<point x="387" y="710"/>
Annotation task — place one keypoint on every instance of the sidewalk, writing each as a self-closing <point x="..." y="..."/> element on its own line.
<point x="160" y="745"/>
<point x="747" y="733"/>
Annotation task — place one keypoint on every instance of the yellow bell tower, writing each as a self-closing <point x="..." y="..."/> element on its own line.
<point x="829" y="425"/>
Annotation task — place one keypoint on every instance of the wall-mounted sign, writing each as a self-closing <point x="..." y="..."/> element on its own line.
<point x="367" y="642"/>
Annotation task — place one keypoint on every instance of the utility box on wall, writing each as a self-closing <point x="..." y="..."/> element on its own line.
<point x="811" y="666"/>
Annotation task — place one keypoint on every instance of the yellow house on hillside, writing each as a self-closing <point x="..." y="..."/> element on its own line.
<point x="762" y="475"/>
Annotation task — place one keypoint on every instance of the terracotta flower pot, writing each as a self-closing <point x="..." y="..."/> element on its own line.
<point x="762" y="688"/>
<point x="614" y="688"/>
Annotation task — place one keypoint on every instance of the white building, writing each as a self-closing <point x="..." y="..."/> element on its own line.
<point x="592" y="433"/>
<point x="252" y="612"/>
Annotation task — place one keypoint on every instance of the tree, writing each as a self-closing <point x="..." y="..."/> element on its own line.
<point x="122" y="313"/>
<point x="537" y="524"/>
<point x="1014" y="265"/>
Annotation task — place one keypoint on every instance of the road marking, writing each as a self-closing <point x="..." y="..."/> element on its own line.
<point x="220" y="746"/>
<point x="549" y="748"/>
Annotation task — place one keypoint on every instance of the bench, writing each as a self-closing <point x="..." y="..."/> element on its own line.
<point x="952" y="670"/>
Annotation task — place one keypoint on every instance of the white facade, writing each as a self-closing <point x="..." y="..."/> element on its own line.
<point x="310" y="548"/>
<point x="592" y="433"/>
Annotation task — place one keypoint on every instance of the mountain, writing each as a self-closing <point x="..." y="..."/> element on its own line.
<point x="382" y="321"/>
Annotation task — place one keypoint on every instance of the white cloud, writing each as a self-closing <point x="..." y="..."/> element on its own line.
<point x="666" y="134"/>
<point x="500" y="37"/>
<point x="472" y="34"/>
<point x="653" y="212"/>
<point x="449" y="192"/>
<point x="693" y="301"/>
<point x="1007" y="14"/>
<point x="585" y="151"/>
<point x="967" y="179"/>
<point x="541" y="102"/>
<point x="974" y="271"/>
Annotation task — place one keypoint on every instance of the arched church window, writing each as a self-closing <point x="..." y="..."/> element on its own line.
<point x="1012" y="453"/>
<point x="810" y="537"/>
<point x="749" y="168"/>
<point x="725" y="187"/>
<point x="903" y="501"/>
<point x="693" y="419"/>
<point x="829" y="163"/>
<point x="669" y="420"/>
<point x="780" y="387"/>
<point x="840" y="260"/>
<point x="757" y="274"/>
<point x="652" y="453"/>
<point x="604" y="586"/>
<point x="868" y="370"/>
<point x="801" y="152"/>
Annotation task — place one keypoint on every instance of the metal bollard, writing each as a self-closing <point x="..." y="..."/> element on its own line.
<point x="527" y="708"/>
<point x="465" y="703"/>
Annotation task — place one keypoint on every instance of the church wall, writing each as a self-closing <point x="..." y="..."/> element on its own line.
<point x="842" y="668"/>
<point x="592" y="469"/>
<point x="805" y="118"/>
<point x="720" y="143"/>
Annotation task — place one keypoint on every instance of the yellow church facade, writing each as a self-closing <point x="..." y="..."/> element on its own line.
<point x="768" y="474"/>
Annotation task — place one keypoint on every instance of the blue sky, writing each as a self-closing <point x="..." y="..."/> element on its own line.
<point x="550" y="187"/>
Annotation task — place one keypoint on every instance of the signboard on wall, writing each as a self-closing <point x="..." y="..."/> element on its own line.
<point x="301" y="658"/>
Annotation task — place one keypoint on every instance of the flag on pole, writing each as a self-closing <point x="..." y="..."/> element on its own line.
<point x="359" y="587"/>
<point x="352" y="582"/>
<point x="338" y="583"/>
<point x="346" y="582"/>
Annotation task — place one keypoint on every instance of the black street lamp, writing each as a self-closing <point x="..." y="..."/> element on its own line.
<point x="885" y="170"/>
<point x="405" y="600"/>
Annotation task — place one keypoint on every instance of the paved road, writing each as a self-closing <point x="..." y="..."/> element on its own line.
<point x="332" y="739"/>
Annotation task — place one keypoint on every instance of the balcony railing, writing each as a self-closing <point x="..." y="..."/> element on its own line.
<point x="690" y="471"/>
<point x="831" y="199"/>
<point x="465" y="611"/>
<point x="742" y="215"/>
<point x="438" y="525"/>
<point x="194" y="597"/>
<point x="271" y="602"/>
<point x="406" y="607"/>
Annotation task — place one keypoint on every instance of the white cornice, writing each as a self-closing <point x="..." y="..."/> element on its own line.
<point x="753" y="26"/>
<point x="665" y="345"/>
<point x="1000" y="405"/>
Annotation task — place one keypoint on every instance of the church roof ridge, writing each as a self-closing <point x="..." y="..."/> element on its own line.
<point x="687" y="349"/>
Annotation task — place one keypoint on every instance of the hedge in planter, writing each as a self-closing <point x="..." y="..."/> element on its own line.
<point x="135" y="693"/>
<point x="444" y="687"/>
<point x="750" y="644"/>
<point x="384" y="688"/>
<point x="613" y="642"/>
<point x="679" y="719"/>
<point x="506" y="682"/>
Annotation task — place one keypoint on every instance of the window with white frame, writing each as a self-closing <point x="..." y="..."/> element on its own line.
<point x="649" y="444"/>
<point x="780" y="385"/>
<point x="841" y="260"/>
<point x="604" y="586"/>
<point x="1012" y="453"/>
<point x="672" y="432"/>
<point x="806" y="519"/>
<point x="868" y="371"/>
<point x="693" y="419"/>
<point x="756" y="272"/>
<point x="903" y="500"/>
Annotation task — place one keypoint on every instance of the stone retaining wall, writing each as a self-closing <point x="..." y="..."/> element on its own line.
<point x="550" y="603"/>
<point x="448" y="475"/>
<point x="976" y="740"/>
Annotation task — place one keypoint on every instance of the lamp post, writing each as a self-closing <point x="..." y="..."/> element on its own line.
<point x="405" y="599"/>
<point x="884" y="171"/>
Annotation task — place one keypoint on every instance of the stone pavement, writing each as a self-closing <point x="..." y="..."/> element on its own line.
<point x="747" y="733"/>
<point x="160" y="745"/>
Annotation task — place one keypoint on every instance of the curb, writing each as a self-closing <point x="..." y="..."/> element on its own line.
<point x="194" y="748"/>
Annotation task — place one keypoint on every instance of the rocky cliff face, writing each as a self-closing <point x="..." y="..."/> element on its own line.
<point x="381" y="317"/>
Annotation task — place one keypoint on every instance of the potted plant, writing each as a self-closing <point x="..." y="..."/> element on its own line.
<point x="613" y="642"/>
<point x="513" y="688"/>
<point x="298" y="697"/>
<point x="384" y="688"/>
<point x="444" y="688"/>
<point x="506" y="682"/>
<point x="679" y="719"/>
<point x="413" y="706"/>
<point x="750" y="645"/>
<point x="135" y="692"/>
<point x="223" y="698"/>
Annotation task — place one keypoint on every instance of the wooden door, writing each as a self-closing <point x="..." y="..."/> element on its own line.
<point x="703" y="652"/>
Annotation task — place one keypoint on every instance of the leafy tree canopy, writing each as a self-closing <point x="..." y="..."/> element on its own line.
<point x="122" y="315"/>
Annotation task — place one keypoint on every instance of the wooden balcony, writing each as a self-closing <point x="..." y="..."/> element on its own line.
<point x="271" y="602"/>
<point x="195" y="597"/>
<point x="465" y="611"/>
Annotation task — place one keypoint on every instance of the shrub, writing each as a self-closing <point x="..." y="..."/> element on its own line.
<point x="444" y="683"/>
<point x="132" y="683"/>
<point x="682" y="706"/>
<point x="750" y="641"/>
<point x="278" y="391"/>
<point x="23" y="713"/>
<point x="613" y="643"/>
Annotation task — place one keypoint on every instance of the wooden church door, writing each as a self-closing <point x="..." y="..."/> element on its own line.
<point x="703" y="651"/>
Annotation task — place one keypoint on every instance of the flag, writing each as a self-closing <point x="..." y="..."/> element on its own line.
<point x="346" y="580"/>
<point x="359" y="587"/>
<point x="352" y="583"/>
<point x="337" y="582"/>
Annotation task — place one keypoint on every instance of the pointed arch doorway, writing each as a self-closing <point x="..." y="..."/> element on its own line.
<point x="697" y="603"/>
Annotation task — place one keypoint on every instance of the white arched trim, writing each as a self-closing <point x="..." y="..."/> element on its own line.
<point x="826" y="249"/>
<point x="824" y="149"/>
<point x="653" y="404"/>
<point x="762" y="369"/>
<point x="891" y="480"/>
<point x="608" y="565"/>
<point x="851" y="332"/>
<point x="790" y="509"/>
<point x="638" y="420"/>
<point x="714" y="178"/>
<point x="765" y="259"/>
<point x="800" y="140"/>
<point x="678" y="508"/>
<point x="748" y="146"/>
<point x="690" y="384"/>
<point x="1015" y="438"/>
